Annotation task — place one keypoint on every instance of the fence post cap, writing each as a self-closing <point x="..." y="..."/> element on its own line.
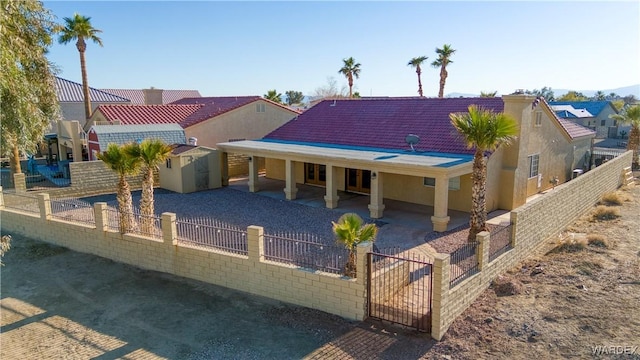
<point x="442" y="257"/>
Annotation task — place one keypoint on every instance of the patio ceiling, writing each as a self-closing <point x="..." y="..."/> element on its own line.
<point x="407" y="163"/>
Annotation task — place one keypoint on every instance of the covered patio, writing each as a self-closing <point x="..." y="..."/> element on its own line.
<point x="380" y="166"/>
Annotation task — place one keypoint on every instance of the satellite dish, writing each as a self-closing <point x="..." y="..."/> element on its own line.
<point x="412" y="139"/>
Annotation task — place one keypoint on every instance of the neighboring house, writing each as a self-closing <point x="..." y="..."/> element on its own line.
<point x="210" y="119"/>
<point x="71" y="100"/>
<point x="191" y="168"/>
<point x="100" y="136"/>
<point x="153" y="96"/>
<point x="591" y="114"/>
<point x="406" y="149"/>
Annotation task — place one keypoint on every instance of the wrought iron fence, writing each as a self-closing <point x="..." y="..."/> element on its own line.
<point x="499" y="242"/>
<point x="73" y="209"/>
<point x="308" y="251"/>
<point x="21" y="201"/>
<point x="212" y="233"/>
<point x="463" y="263"/>
<point x="135" y="223"/>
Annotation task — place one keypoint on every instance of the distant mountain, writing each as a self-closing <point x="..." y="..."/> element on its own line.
<point x="622" y="91"/>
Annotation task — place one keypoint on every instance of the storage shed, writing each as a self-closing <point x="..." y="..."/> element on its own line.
<point x="191" y="168"/>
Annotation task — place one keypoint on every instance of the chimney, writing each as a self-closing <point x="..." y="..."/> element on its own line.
<point x="193" y="141"/>
<point x="152" y="96"/>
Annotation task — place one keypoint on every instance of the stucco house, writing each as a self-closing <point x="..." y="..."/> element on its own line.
<point x="406" y="149"/>
<point x="591" y="114"/>
<point x="209" y="119"/>
<point x="71" y="100"/>
<point x="153" y="96"/>
<point x="100" y="136"/>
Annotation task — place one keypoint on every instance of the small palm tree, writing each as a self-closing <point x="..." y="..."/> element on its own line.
<point x="117" y="159"/>
<point x="483" y="130"/>
<point x="151" y="153"/>
<point x="350" y="69"/>
<point x="350" y="232"/>
<point x="416" y="62"/>
<point x="79" y="28"/>
<point x="631" y="116"/>
<point x="274" y="96"/>
<point x="444" y="59"/>
<point x="488" y="94"/>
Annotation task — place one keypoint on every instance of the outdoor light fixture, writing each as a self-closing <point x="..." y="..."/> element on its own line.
<point x="374" y="175"/>
<point x="250" y="158"/>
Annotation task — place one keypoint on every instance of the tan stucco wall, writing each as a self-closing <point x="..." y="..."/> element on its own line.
<point x="241" y="123"/>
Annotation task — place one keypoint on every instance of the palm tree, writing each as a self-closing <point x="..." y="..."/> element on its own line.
<point x="350" y="232"/>
<point x="350" y="69"/>
<point x="486" y="131"/>
<point x="444" y="59"/>
<point x="599" y="95"/>
<point x="274" y="96"/>
<point x="151" y="153"/>
<point x="117" y="159"/>
<point x="488" y="94"/>
<point x="631" y="116"/>
<point x="416" y="62"/>
<point x="79" y="28"/>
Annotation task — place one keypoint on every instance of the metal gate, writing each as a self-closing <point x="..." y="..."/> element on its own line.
<point x="399" y="289"/>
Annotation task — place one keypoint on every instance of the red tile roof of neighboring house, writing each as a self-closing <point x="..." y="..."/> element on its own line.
<point x="384" y="123"/>
<point x="69" y="91"/>
<point x="168" y="96"/>
<point x="214" y="106"/>
<point x="573" y="130"/>
<point x="148" y="114"/>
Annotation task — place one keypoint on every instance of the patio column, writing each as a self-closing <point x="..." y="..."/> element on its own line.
<point x="376" y="207"/>
<point x="290" y="190"/>
<point x="224" y="168"/>
<point x="253" y="174"/>
<point x="331" y="199"/>
<point x="441" y="204"/>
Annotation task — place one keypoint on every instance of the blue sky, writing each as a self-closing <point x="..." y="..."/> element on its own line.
<point x="247" y="48"/>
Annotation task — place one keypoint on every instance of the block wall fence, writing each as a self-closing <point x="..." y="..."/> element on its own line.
<point x="253" y="274"/>
<point x="532" y="224"/>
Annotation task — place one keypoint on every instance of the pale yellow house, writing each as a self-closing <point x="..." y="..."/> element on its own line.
<point x="210" y="120"/>
<point x="406" y="149"/>
<point x="191" y="168"/>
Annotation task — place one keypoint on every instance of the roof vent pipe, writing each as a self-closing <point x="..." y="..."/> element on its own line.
<point x="193" y="141"/>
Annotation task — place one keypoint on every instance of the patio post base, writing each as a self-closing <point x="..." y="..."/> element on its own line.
<point x="440" y="223"/>
<point x="375" y="211"/>
<point x="332" y="202"/>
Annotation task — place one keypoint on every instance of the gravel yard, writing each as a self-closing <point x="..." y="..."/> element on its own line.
<point x="243" y="209"/>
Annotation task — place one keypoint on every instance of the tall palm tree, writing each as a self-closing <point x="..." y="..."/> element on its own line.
<point x="444" y="59"/>
<point x="117" y="159"/>
<point x="483" y="130"/>
<point x="79" y="28"/>
<point x="416" y="62"/>
<point x="350" y="232"/>
<point x="350" y="69"/>
<point x="631" y="116"/>
<point x="151" y="153"/>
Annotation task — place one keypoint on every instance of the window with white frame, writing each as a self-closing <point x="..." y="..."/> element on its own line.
<point x="454" y="183"/>
<point x="260" y="107"/>
<point x="538" y="119"/>
<point x="534" y="161"/>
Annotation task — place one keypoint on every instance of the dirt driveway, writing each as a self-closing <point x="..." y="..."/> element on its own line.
<point x="59" y="304"/>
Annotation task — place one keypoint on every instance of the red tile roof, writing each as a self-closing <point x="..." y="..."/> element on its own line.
<point x="572" y="129"/>
<point x="186" y="112"/>
<point x="214" y="106"/>
<point x="384" y="123"/>
<point x="147" y="114"/>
